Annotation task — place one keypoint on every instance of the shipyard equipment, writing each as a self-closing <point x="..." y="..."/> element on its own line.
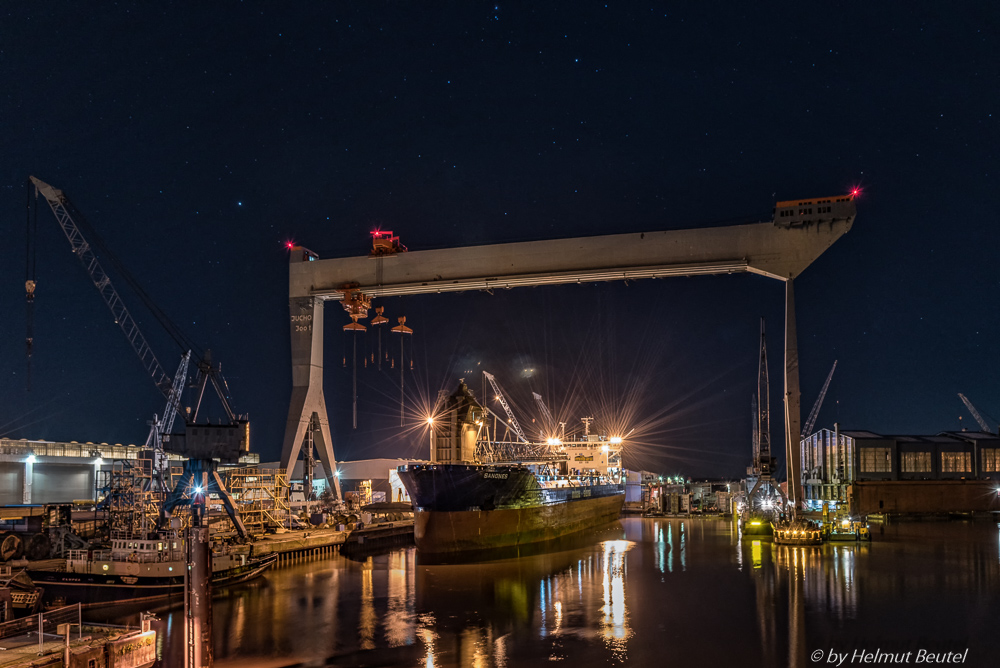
<point x="814" y="413"/>
<point x="762" y="504"/>
<point x="203" y="444"/>
<point x="983" y="424"/>
<point x="170" y="386"/>
<point x="548" y="424"/>
<point x="506" y="407"/>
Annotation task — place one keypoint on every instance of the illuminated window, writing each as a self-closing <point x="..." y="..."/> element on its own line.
<point x="876" y="460"/>
<point x="991" y="459"/>
<point x="956" y="462"/>
<point x="916" y="462"/>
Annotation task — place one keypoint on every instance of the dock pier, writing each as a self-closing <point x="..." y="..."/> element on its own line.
<point x="296" y="546"/>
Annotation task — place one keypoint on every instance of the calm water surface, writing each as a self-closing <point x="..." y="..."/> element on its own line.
<point x="642" y="592"/>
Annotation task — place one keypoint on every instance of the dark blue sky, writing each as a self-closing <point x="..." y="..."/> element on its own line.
<point x="198" y="139"/>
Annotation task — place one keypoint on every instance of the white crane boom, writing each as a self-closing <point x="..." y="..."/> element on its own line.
<point x="503" y="402"/>
<point x="546" y="415"/>
<point x="814" y="413"/>
<point x="972" y="409"/>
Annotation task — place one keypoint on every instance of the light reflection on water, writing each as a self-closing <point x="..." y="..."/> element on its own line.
<point x="630" y="594"/>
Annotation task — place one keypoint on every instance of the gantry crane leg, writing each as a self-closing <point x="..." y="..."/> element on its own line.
<point x="793" y="417"/>
<point x="308" y="403"/>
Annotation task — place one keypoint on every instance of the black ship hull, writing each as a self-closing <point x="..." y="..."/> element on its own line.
<point x="103" y="589"/>
<point x="466" y="508"/>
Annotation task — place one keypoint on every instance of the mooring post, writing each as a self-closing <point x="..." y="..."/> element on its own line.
<point x="198" y="590"/>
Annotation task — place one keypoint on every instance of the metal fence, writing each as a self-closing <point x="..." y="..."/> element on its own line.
<point x="46" y="622"/>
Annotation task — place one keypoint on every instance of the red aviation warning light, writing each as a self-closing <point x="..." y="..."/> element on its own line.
<point x="855" y="191"/>
<point x="289" y="245"/>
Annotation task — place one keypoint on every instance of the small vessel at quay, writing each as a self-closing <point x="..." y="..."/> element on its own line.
<point x="138" y="569"/>
<point x="848" y="529"/>
<point x="798" y="532"/>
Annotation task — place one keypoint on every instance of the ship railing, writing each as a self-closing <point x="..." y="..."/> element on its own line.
<point x="149" y="557"/>
<point x="89" y="555"/>
<point x="573" y="480"/>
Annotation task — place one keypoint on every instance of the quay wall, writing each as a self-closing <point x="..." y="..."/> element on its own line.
<point x="912" y="497"/>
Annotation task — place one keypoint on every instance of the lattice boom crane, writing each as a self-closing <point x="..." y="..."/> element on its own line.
<point x="503" y="402"/>
<point x="82" y="250"/>
<point x="814" y="413"/>
<point x="972" y="409"/>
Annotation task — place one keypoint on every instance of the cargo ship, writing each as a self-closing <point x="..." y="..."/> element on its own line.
<point x="482" y="494"/>
<point x="137" y="569"/>
<point x="470" y="507"/>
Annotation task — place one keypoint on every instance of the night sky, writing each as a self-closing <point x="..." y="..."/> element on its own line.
<point x="198" y="139"/>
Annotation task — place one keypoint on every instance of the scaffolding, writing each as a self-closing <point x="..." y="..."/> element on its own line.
<point x="127" y="495"/>
<point x="261" y="495"/>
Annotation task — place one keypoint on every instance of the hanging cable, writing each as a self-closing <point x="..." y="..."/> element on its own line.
<point x="354" y="327"/>
<point x="379" y="319"/>
<point x="30" y="256"/>
<point x="401" y="329"/>
<point x="354" y="394"/>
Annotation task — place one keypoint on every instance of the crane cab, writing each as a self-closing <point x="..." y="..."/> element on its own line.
<point x="384" y="243"/>
<point x="799" y="212"/>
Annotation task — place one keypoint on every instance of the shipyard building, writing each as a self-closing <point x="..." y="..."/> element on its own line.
<point x="955" y="471"/>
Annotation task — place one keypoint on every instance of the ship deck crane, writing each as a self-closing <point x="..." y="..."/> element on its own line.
<point x="503" y="402"/>
<point x="549" y="423"/>
<point x="170" y="386"/>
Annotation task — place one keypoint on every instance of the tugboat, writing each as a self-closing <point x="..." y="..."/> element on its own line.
<point x="139" y="569"/>
<point x="798" y="532"/>
<point x="849" y="529"/>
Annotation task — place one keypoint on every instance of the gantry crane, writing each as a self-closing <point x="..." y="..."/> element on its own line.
<point x="780" y="248"/>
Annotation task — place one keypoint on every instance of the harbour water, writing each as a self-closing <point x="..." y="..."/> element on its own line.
<point x="640" y="592"/>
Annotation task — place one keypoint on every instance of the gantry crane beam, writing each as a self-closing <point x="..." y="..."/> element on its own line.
<point x="760" y="248"/>
<point x="799" y="231"/>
